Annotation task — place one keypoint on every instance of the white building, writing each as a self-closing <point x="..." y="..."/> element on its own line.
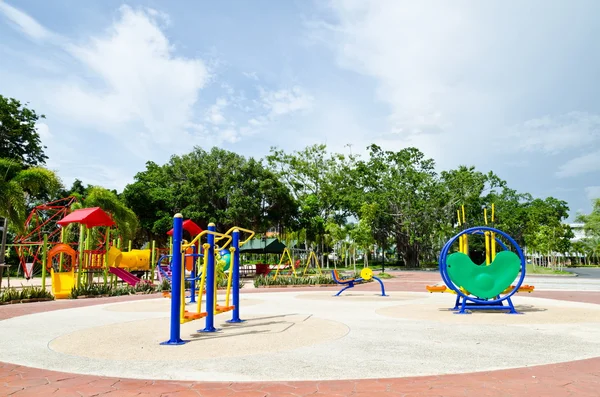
<point x="577" y="229"/>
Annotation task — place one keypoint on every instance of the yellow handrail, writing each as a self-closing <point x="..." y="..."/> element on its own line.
<point x="241" y="229"/>
<point x="230" y="276"/>
<point x="205" y="232"/>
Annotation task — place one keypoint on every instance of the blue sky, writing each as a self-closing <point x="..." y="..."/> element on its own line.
<point x="508" y="86"/>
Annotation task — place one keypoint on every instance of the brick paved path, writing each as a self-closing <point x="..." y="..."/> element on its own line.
<point x="577" y="378"/>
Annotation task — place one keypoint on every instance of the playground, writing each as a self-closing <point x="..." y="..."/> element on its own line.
<point x="488" y="318"/>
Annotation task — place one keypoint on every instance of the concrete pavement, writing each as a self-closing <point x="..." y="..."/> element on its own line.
<point x="305" y="335"/>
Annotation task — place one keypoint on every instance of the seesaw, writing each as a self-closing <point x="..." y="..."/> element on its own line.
<point x="366" y="275"/>
<point x="444" y="289"/>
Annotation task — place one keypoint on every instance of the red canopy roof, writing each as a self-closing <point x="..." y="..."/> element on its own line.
<point x="90" y="217"/>
<point x="190" y="226"/>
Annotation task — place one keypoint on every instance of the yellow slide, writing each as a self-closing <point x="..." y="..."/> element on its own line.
<point x="62" y="283"/>
<point x="132" y="260"/>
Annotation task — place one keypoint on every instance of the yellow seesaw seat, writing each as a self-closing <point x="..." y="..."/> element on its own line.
<point x="443" y="289"/>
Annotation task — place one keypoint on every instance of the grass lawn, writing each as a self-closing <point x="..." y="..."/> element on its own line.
<point x="544" y="270"/>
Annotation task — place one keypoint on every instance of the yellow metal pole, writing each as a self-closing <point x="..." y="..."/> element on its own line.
<point x="487" y="238"/>
<point x="182" y="311"/>
<point x="230" y="278"/>
<point x="487" y="248"/>
<point x="215" y="299"/>
<point x="466" y="237"/>
<point x="460" y="239"/>
<point x="203" y="277"/>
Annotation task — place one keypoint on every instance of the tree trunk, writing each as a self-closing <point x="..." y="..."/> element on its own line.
<point x="3" y="243"/>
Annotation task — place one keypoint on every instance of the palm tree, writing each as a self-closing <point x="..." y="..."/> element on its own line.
<point x="123" y="216"/>
<point x="19" y="183"/>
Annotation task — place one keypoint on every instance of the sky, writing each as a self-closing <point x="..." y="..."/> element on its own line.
<point x="508" y="86"/>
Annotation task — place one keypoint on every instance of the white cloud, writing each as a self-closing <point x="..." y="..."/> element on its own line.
<point x="580" y="165"/>
<point x="453" y="78"/>
<point x="44" y="131"/>
<point x="24" y="22"/>
<point x="285" y="101"/>
<point x="555" y="134"/>
<point x="98" y="175"/>
<point x="592" y="192"/>
<point x="258" y="122"/>
<point x="251" y="75"/>
<point x="140" y="80"/>
<point x="214" y="114"/>
<point x="410" y="49"/>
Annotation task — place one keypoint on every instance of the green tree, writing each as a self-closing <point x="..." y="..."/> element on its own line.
<point x="591" y="221"/>
<point x="124" y="217"/>
<point x="318" y="181"/>
<point x="152" y="197"/>
<point x="19" y="184"/>
<point x="590" y="245"/>
<point x="77" y="189"/>
<point x="19" y="139"/>
<point x="406" y="191"/>
<point x="217" y="186"/>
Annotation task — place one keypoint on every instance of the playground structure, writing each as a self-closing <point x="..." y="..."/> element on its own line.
<point x="366" y="274"/>
<point x="90" y="257"/>
<point x="41" y="233"/>
<point x="208" y="281"/>
<point x="311" y="261"/>
<point x="488" y="286"/>
<point x="163" y="271"/>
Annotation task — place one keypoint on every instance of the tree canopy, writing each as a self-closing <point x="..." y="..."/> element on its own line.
<point x="392" y="203"/>
<point x="19" y="139"/>
<point x="216" y="186"/>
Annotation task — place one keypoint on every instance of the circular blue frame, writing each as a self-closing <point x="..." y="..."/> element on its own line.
<point x="480" y="230"/>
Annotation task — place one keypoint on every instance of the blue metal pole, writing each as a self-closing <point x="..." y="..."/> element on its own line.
<point x="175" y="336"/>
<point x="193" y="281"/>
<point x="235" y="268"/>
<point x="210" y="282"/>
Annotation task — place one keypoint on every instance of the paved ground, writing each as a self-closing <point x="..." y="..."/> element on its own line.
<point x="586" y="272"/>
<point x="297" y="335"/>
<point x="575" y="378"/>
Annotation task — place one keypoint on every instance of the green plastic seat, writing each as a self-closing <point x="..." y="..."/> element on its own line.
<point x="484" y="282"/>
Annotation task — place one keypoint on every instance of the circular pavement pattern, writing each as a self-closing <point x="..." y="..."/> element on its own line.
<point x="305" y="335"/>
<point x="163" y="305"/>
<point x="139" y="340"/>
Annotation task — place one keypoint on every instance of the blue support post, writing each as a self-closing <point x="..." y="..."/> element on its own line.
<point x="177" y="268"/>
<point x="235" y="268"/>
<point x="382" y="286"/>
<point x="193" y="278"/>
<point x="210" y="282"/>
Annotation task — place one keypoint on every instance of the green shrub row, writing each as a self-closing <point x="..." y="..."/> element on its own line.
<point x="12" y="294"/>
<point x="264" y="281"/>
<point x="109" y="290"/>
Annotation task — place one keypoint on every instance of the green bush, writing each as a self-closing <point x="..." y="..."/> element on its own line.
<point x="263" y="281"/>
<point x="12" y="294"/>
<point x="109" y="290"/>
<point x="165" y="285"/>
